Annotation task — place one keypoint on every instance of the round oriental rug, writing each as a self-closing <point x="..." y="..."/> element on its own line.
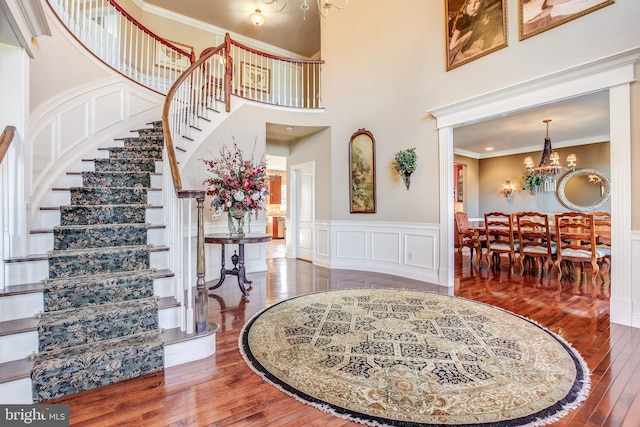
<point x="408" y="358"/>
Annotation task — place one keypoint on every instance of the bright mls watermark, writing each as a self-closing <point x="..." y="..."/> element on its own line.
<point x="34" y="415"/>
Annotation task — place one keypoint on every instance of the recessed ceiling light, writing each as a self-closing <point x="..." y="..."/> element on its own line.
<point x="489" y="149"/>
<point x="289" y="129"/>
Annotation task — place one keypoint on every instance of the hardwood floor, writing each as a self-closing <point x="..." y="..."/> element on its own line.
<point x="222" y="391"/>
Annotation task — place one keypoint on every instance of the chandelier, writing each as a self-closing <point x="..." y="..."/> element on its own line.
<point x="323" y="6"/>
<point x="549" y="169"/>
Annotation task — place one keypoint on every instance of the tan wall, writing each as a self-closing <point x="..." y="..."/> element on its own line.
<point x="317" y="148"/>
<point x="495" y="171"/>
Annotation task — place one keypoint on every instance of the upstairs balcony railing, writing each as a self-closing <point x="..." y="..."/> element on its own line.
<point x="123" y="43"/>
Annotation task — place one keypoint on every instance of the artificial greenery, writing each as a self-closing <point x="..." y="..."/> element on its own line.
<point x="531" y="181"/>
<point x="405" y="163"/>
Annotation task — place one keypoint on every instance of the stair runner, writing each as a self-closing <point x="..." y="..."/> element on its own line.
<point x="100" y="319"/>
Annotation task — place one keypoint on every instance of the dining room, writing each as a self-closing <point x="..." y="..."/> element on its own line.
<point x="564" y="169"/>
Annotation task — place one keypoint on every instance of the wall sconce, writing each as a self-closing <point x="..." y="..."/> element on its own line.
<point x="507" y="188"/>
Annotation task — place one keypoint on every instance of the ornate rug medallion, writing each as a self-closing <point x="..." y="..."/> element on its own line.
<point x="407" y="358"/>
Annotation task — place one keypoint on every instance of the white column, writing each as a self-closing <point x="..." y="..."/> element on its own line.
<point x="620" y="132"/>
<point x="446" y="269"/>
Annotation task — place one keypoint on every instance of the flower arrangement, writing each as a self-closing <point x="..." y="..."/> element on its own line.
<point x="236" y="183"/>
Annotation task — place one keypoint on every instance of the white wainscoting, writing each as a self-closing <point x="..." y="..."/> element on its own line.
<point x="635" y="274"/>
<point x="72" y="126"/>
<point x="402" y="249"/>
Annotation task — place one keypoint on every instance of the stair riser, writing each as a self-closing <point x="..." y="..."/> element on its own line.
<point x="89" y="165"/>
<point x="63" y="197"/>
<point x="51" y="218"/>
<point x="18" y="346"/>
<point x="58" y="374"/>
<point x="34" y="271"/>
<point x="22" y="345"/>
<point x="99" y="237"/>
<point x="19" y="391"/>
<point x="75" y="180"/>
<point x="22" y="306"/>
<point x="88" y="325"/>
<point x="43" y="242"/>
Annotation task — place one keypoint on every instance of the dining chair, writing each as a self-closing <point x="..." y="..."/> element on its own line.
<point x="467" y="238"/>
<point x="535" y="242"/>
<point x="499" y="237"/>
<point x="576" y="239"/>
<point x="602" y="224"/>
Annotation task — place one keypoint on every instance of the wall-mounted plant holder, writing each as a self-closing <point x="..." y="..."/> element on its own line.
<point x="405" y="163"/>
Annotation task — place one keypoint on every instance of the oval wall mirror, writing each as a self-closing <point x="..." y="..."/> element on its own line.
<point x="584" y="189"/>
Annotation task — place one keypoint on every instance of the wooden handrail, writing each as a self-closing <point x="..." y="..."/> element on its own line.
<point x="191" y="55"/>
<point x="168" y="138"/>
<point x="5" y="140"/>
<point x="276" y="57"/>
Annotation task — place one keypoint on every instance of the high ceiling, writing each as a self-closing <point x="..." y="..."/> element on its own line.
<point x="286" y="30"/>
<point x="577" y="121"/>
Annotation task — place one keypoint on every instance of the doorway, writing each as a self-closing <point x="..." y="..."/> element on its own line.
<point x="594" y="76"/>
<point x="276" y="206"/>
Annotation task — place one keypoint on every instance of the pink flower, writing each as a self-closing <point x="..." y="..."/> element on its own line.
<point x="235" y="183"/>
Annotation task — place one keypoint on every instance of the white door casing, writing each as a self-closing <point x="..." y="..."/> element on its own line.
<point x="303" y="211"/>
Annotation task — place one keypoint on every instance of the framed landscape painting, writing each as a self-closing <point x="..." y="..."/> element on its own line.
<point x="254" y="77"/>
<point x="362" y="172"/>
<point x="537" y="16"/>
<point x="475" y="28"/>
<point x="169" y="58"/>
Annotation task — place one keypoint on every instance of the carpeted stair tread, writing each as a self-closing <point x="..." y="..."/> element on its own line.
<point x="102" y="214"/>
<point x="144" y="141"/>
<point x="88" y="290"/>
<point x="79" y="326"/>
<point x="75" y="262"/>
<point x="107" y="195"/>
<point x="100" y="235"/>
<point x="125" y="165"/>
<point x="140" y="152"/>
<point x="61" y="372"/>
<point x="116" y="179"/>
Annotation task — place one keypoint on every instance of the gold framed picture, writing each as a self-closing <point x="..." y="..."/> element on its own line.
<point x="170" y="58"/>
<point x="254" y="77"/>
<point x="362" y="172"/>
<point x="475" y="28"/>
<point x="537" y="16"/>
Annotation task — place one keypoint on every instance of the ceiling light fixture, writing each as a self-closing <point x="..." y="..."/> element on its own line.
<point x="323" y="6"/>
<point x="257" y="18"/>
<point x="549" y="168"/>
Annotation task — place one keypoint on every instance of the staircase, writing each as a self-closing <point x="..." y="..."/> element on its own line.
<point x="105" y="302"/>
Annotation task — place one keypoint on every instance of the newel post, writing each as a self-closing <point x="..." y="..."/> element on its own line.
<point x="228" y="72"/>
<point x="202" y="298"/>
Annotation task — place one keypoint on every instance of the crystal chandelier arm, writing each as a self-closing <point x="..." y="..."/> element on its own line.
<point x="328" y="4"/>
<point x="275" y="4"/>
